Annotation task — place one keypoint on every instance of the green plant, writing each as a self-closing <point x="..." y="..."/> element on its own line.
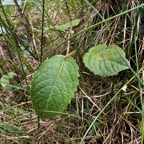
<point x="4" y="81"/>
<point x="56" y="80"/>
<point x="54" y="85"/>
<point x="106" y="62"/>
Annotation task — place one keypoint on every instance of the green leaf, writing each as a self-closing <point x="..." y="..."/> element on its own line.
<point x="53" y="85"/>
<point x="5" y="79"/>
<point x="105" y="61"/>
<point x="11" y="75"/>
<point x="66" y="26"/>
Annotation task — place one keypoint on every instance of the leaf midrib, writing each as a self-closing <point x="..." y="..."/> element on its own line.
<point x="55" y="83"/>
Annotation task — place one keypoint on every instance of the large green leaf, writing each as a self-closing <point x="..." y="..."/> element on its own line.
<point x="53" y="85"/>
<point x="105" y="61"/>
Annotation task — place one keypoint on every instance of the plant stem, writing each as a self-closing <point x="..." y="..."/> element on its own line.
<point x="43" y="12"/>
